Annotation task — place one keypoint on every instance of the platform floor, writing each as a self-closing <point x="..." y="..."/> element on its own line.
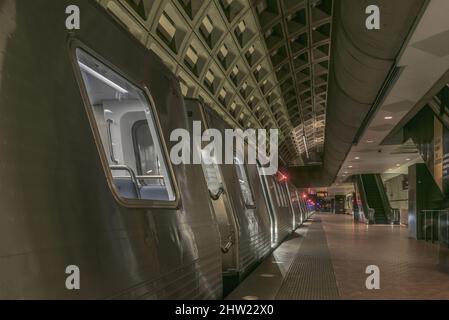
<point x="327" y="259"/>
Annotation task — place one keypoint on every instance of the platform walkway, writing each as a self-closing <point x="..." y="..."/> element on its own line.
<point x="328" y="256"/>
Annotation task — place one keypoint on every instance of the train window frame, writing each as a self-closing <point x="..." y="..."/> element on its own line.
<point x="75" y="45"/>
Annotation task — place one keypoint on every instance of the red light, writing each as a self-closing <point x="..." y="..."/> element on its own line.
<point x="304" y="196"/>
<point x="282" y="177"/>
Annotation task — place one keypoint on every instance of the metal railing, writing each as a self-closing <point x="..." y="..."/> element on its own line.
<point x="395" y="217"/>
<point x="434" y="226"/>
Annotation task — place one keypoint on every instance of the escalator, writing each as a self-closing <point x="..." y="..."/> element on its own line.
<point x="374" y="198"/>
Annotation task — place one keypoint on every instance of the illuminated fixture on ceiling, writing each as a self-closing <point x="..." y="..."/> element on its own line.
<point x="102" y="78"/>
<point x="282" y="177"/>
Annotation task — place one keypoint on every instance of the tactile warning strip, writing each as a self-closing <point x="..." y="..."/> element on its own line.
<point x="311" y="275"/>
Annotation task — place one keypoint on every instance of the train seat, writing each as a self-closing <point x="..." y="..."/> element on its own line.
<point x="154" y="192"/>
<point x="126" y="188"/>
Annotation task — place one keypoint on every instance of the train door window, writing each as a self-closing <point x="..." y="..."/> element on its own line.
<point x="244" y="182"/>
<point x="269" y="203"/>
<point x="212" y="174"/>
<point x="279" y="192"/>
<point x="284" y="194"/>
<point x="284" y="197"/>
<point x="276" y="192"/>
<point x="298" y="201"/>
<point x="124" y="119"/>
<point x="147" y="157"/>
<point x="281" y="200"/>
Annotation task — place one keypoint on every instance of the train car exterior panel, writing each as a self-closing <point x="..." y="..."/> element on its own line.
<point x="254" y="230"/>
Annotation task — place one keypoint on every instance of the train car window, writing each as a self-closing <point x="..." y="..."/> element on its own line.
<point x="276" y="192"/>
<point x="244" y="182"/>
<point x="127" y="128"/>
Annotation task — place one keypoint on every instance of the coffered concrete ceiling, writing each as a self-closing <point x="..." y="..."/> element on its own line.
<point x="258" y="63"/>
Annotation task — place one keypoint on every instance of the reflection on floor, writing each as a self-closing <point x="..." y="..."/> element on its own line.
<point x="327" y="259"/>
<point x="267" y="279"/>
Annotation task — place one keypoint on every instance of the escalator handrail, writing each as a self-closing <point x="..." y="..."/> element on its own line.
<point x="364" y="198"/>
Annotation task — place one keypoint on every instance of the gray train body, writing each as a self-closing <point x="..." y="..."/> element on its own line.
<point x="244" y="222"/>
<point x="61" y="203"/>
<point x="57" y="208"/>
<point x="254" y="229"/>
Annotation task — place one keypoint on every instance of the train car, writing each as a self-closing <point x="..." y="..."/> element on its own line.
<point x="85" y="179"/>
<point x="239" y="204"/>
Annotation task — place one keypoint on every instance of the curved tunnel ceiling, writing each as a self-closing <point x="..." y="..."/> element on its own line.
<point x="361" y="62"/>
<point x="221" y="56"/>
<point x="298" y="37"/>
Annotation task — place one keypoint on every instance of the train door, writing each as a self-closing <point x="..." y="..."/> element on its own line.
<point x="220" y="203"/>
<point x="217" y="193"/>
<point x="245" y="188"/>
<point x="290" y="202"/>
<point x="247" y="218"/>
<point x="301" y="211"/>
<point x="283" y="212"/>
<point x="247" y="196"/>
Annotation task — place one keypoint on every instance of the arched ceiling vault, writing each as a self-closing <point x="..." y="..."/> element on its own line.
<point x="259" y="63"/>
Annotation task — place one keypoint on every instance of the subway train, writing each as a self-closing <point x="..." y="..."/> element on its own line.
<point x="86" y="178"/>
